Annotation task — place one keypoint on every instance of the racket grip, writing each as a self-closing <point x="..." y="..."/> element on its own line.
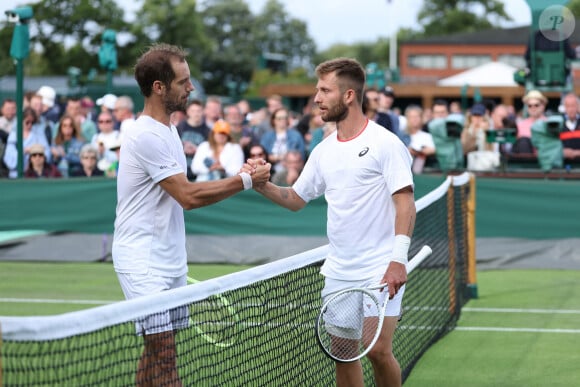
<point x="418" y="258"/>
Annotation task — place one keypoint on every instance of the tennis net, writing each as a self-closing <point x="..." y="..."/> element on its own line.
<point x="251" y="328"/>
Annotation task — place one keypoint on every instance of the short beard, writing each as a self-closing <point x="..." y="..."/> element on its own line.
<point x="174" y="105"/>
<point x="337" y="113"/>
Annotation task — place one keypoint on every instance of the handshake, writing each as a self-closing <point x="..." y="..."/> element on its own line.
<point x="255" y="173"/>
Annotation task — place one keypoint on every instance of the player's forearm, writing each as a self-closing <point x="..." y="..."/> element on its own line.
<point x="283" y="196"/>
<point x="202" y="194"/>
<point x="405" y="213"/>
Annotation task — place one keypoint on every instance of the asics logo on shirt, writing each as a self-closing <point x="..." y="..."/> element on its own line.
<point x="363" y="152"/>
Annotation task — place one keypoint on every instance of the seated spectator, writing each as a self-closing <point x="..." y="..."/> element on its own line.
<point x="67" y="146"/>
<point x="219" y="156"/>
<point x="29" y="137"/>
<point x="103" y="140"/>
<point x="240" y="132"/>
<point x="193" y="131"/>
<point x="113" y="169"/>
<point x="89" y="155"/>
<point x="315" y="133"/>
<point x="292" y="164"/>
<point x="7" y="121"/>
<point x="38" y="167"/>
<point x="257" y="151"/>
<point x="535" y="103"/>
<point x="570" y="135"/>
<point x="281" y="139"/>
<point x="7" y="117"/>
<point x="480" y="154"/>
<point x="473" y="133"/>
<point x="123" y="112"/>
<point x="421" y="145"/>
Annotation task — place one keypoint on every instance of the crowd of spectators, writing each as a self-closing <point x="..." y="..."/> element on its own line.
<point x="81" y="137"/>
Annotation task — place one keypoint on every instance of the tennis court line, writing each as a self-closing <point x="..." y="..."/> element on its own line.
<point x="521" y="330"/>
<point x="521" y="310"/>
<point x="56" y="301"/>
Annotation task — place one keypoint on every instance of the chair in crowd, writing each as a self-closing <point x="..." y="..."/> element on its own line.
<point x="546" y="139"/>
<point x="446" y="133"/>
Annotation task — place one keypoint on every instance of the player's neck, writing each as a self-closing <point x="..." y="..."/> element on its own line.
<point x="157" y="112"/>
<point x="351" y="126"/>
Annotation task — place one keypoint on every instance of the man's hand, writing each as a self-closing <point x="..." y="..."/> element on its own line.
<point x="262" y="175"/>
<point x="395" y="277"/>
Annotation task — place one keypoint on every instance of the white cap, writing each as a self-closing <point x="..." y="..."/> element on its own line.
<point x="107" y="100"/>
<point x="48" y="95"/>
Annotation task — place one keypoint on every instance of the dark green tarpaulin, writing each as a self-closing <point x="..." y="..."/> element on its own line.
<point x="524" y="208"/>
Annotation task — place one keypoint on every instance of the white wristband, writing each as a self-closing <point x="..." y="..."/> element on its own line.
<point x="246" y="179"/>
<point x="401" y="249"/>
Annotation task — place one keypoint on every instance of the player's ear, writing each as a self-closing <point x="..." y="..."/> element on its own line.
<point x="158" y="87"/>
<point x="349" y="96"/>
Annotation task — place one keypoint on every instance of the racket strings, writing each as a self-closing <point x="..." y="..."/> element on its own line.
<point x="349" y="324"/>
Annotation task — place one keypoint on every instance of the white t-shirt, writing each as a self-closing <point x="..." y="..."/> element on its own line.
<point x="149" y="228"/>
<point x="231" y="159"/>
<point x="421" y="139"/>
<point x="357" y="178"/>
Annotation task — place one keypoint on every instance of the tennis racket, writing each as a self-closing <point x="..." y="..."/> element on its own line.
<point x="215" y="319"/>
<point x="350" y="321"/>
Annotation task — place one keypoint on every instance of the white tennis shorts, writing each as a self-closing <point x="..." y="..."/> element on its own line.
<point x="138" y="285"/>
<point x="393" y="308"/>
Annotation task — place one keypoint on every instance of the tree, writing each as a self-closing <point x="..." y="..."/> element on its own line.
<point x="76" y="24"/>
<point x="444" y="17"/>
<point x="276" y="32"/>
<point x="228" y="66"/>
<point x="574" y="7"/>
<point x="176" y="22"/>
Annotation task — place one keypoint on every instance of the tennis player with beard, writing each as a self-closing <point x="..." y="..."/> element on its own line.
<point x="364" y="171"/>
<point x="152" y="191"/>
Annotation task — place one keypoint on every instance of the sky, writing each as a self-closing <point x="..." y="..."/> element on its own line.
<point x="342" y="21"/>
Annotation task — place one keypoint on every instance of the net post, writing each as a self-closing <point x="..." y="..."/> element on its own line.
<point x="471" y="253"/>
<point x="451" y="246"/>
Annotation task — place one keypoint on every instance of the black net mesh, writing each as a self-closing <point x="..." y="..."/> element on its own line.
<point x="261" y="334"/>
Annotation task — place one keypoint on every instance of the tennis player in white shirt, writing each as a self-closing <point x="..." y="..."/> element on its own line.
<point x="364" y="171"/>
<point x="152" y="191"/>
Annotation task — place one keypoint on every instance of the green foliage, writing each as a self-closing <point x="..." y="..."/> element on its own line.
<point x="232" y="55"/>
<point x="177" y="22"/>
<point x="277" y="32"/>
<point x="224" y="39"/>
<point x="444" y="17"/>
<point x="6" y="62"/>
<point x="261" y="78"/>
<point x="58" y="22"/>
<point x="574" y="6"/>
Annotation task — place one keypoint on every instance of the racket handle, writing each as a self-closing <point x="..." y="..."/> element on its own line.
<point x="418" y="258"/>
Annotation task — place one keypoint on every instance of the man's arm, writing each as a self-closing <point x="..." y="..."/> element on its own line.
<point x="194" y="195"/>
<point x="283" y="196"/>
<point x="405" y="214"/>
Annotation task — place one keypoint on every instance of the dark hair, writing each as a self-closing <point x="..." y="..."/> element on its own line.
<point x="440" y="102"/>
<point x="248" y="150"/>
<point x="29" y="112"/>
<point x="273" y="117"/>
<point x="350" y="74"/>
<point x="155" y="65"/>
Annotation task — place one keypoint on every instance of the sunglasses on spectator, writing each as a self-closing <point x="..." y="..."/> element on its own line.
<point x="37" y="154"/>
<point x="105" y="121"/>
<point x="89" y="158"/>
